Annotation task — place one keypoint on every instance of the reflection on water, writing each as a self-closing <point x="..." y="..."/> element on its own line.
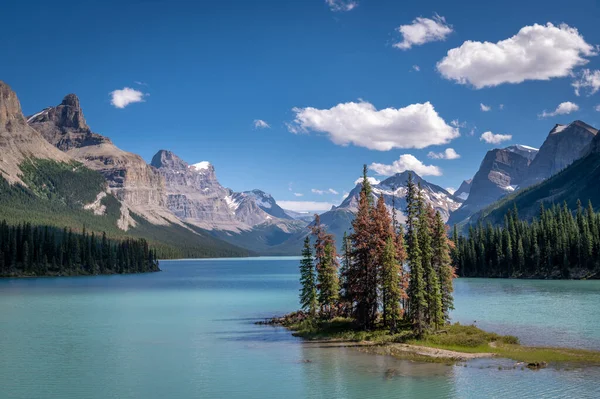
<point x="189" y="332"/>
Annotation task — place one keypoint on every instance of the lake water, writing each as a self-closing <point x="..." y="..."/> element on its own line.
<point x="188" y="332"/>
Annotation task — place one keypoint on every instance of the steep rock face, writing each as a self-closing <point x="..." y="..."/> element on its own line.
<point x="18" y="141"/>
<point x="501" y="172"/>
<point x="464" y="190"/>
<point x="196" y="196"/>
<point x="564" y="144"/>
<point x="129" y="178"/>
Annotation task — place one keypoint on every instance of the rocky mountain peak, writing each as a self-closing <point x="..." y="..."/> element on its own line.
<point x="167" y="159"/>
<point x="564" y="144"/>
<point x="67" y="116"/>
<point x="10" y="107"/>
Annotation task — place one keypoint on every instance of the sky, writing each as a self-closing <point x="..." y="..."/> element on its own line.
<point x="294" y="96"/>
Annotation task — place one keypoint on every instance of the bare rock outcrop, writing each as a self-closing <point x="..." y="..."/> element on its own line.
<point x="18" y="141"/>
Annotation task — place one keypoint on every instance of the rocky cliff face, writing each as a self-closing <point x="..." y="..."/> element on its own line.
<point x="139" y="187"/>
<point x="501" y="172"/>
<point x="196" y="196"/>
<point x="464" y="190"/>
<point x="564" y="144"/>
<point x="18" y="141"/>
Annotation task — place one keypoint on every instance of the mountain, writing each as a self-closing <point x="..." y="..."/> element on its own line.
<point x="42" y="185"/>
<point x="578" y="181"/>
<point x="251" y="219"/>
<point x="563" y="145"/>
<point x="339" y="219"/>
<point x="500" y="173"/>
<point x="304" y="216"/>
<point x="18" y="141"/>
<point x="137" y="185"/>
<point x="464" y="190"/>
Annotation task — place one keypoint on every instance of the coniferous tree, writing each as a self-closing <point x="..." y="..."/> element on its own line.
<point x="308" y="291"/>
<point x="443" y="265"/>
<point x="417" y="303"/>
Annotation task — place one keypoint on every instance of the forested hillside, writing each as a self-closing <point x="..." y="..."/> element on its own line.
<point x="555" y="244"/>
<point x="57" y="193"/>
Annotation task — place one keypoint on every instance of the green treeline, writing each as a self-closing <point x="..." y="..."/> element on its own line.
<point x="553" y="245"/>
<point x="27" y="250"/>
<point x="388" y="278"/>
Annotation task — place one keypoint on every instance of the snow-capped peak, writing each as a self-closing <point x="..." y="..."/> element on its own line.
<point x="204" y="165"/>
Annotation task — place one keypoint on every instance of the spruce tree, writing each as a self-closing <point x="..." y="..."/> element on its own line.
<point x="308" y="291"/>
<point x="443" y="266"/>
<point x="417" y="303"/>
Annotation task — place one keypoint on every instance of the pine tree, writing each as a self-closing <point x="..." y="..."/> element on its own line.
<point x="417" y="303"/>
<point x="308" y="292"/>
<point x="391" y="286"/>
<point x="327" y="266"/>
<point x="443" y="266"/>
<point x="363" y="268"/>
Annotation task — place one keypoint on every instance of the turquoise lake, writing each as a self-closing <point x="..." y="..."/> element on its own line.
<point x="189" y="332"/>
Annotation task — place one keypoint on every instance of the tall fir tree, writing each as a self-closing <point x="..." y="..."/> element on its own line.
<point x="308" y="292"/>
<point x="417" y="304"/>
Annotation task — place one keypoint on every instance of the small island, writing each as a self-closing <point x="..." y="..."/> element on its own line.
<point x="391" y="293"/>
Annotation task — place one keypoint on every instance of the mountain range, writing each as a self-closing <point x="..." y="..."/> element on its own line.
<point x="55" y="169"/>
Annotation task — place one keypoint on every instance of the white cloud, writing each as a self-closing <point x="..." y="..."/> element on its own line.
<point x="563" y="109"/>
<point x="371" y="180"/>
<point x="587" y="79"/>
<point x="457" y="123"/>
<point x="414" y="126"/>
<point x="492" y="138"/>
<point x="416" y="68"/>
<point x="597" y="107"/>
<point x="125" y="96"/>
<point x="404" y="163"/>
<point x="451" y="190"/>
<point x="484" y="108"/>
<point x="341" y="5"/>
<point x="345" y="195"/>
<point x="298" y="194"/>
<point x="448" y="153"/>
<point x="260" y="124"/>
<point x="321" y="192"/>
<point x="305" y="206"/>
<point x="538" y="52"/>
<point x="423" y="30"/>
<point x="501" y="106"/>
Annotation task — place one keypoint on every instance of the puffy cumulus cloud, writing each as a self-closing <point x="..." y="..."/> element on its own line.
<point x="484" y="108"/>
<point x="423" y="30"/>
<point x="125" y="96"/>
<point x="597" y="107"/>
<point x="538" y="52"/>
<point x="588" y="80"/>
<point x="563" y="109"/>
<point x="416" y="68"/>
<point x="260" y="124"/>
<point x="404" y="163"/>
<point x="341" y="5"/>
<point x="305" y="206"/>
<point x="371" y="180"/>
<point x="298" y="194"/>
<point x="361" y="124"/>
<point x="492" y="138"/>
<point x="448" y="153"/>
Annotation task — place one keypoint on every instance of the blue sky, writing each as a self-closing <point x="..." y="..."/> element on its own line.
<point x="318" y="74"/>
